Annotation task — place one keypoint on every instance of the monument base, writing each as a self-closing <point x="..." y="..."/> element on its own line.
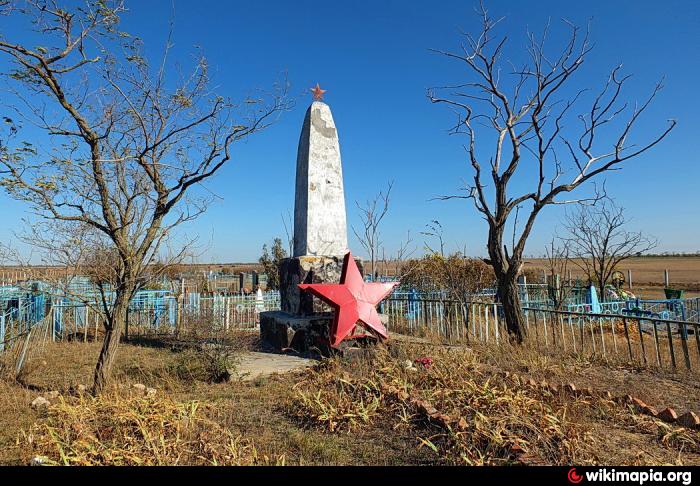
<point x="306" y="334"/>
<point x="307" y="270"/>
<point x="281" y="330"/>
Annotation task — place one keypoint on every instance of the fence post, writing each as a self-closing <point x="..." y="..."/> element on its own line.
<point x="470" y="307"/>
<point x="684" y="344"/>
<point x="482" y="337"/>
<point x="666" y="278"/>
<point x="641" y="341"/>
<point x="629" y="278"/>
<point x="670" y="344"/>
<point x="53" y="322"/>
<point x="486" y="313"/>
<point x="544" y="328"/>
<point x="563" y="337"/>
<point x="527" y="320"/>
<point x="627" y="336"/>
<point x="612" y="328"/>
<point x="573" y="333"/>
<point x="495" y="320"/>
<point x="23" y="354"/>
<point x="86" y="324"/>
<point x="465" y="320"/>
<point x="656" y="343"/>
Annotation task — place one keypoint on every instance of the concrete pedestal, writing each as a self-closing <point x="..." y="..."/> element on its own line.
<point x="308" y="270"/>
<point x="281" y="330"/>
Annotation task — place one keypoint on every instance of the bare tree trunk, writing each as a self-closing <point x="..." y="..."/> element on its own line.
<point x="512" y="309"/>
<point x="103" y="370"/>
<point x="113" y="330"/>
<point x="506" y="270"/>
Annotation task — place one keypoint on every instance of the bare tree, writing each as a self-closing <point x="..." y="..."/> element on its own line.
<point x="434" y="230"/>
<point x="371" y="215"/>
<point x="557" y="259"/>
<point x="289" y="231"/>
<point x="599" y="240"/>
<point x="404" y="251"/>
<point x="126" y="147"/>
<point x="523" y="113"/>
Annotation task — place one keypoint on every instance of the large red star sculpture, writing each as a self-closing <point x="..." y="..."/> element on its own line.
<point x="353" y="300"/>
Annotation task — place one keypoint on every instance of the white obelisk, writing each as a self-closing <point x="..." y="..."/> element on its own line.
<point x="320" y="227"/>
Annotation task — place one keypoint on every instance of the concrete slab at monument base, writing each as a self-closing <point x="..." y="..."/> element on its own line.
<point x="307" y="270"/>
<point x="305" y="334"/>
<point x="252" y="365"/>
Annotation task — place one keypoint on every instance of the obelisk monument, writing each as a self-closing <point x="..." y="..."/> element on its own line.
<point x="320" y="228"/>
<point x="320" y="235"/>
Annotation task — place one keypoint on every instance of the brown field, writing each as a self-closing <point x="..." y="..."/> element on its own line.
<point x="647" y="272"/>
<point x="683" y="271"/>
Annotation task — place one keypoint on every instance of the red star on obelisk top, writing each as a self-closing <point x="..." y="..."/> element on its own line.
<point x="318" y="92"/>
<point x="353" y="300"/>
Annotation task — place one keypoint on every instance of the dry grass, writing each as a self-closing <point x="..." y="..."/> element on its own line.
<point x="492" y="421"/>
<point x="365" y="411"/>
<point x="659" y="387"/>
<point x="120" y="428"/>
<point x="498" y="422"/>
<point x="252" y="412"/>
<point x="336" y="402"/>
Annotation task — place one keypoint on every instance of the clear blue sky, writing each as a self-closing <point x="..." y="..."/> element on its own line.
<point x="372" y="57"/>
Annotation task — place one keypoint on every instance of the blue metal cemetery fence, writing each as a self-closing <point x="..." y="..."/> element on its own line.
<point x="227" y="312"/>
<point x="153" y="310"/>
<point x="23" y="326"/>
<point x="161" y="312"/>
<point x="644" y="339"/>
<point x="653" y="332"/>
<point x="74" y="311"/>
<point x="19" y="311"/>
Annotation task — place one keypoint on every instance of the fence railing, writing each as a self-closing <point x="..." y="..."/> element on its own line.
<point x="644" y="340"/>
<point x="20" y="344"/>
<point x="673" y="309"/>
<point x="217" y="313"/>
